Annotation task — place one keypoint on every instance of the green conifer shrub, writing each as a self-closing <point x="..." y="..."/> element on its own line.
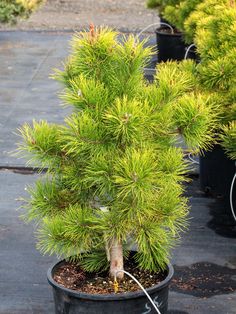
<point x="215" y="38"/>
<point x="10" y="10"/>
<point x="175" y="11"/>
<point x="115" y="176"/>
<point x="203" y="11"/>
<point x="177" y="14"/>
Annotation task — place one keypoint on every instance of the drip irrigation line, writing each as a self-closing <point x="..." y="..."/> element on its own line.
<point x="192" y="160"/>
<point x="148" y="296"/>
<point x="231" y="197"/>
<point x="187" y="51"/>
<point x="159" y="23"/>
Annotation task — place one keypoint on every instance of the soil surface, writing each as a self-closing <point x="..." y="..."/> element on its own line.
<point x="128" y="15"/>
<point x="71" y="276"/>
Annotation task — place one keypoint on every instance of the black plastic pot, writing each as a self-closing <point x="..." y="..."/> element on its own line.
<point x="216" y="175"/>
<point x="71" y="302"/>
<point x="170" y="46"/>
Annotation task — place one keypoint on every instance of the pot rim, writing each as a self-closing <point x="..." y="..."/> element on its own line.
<point x="108" y="297"/>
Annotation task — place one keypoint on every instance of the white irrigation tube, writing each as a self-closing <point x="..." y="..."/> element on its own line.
<point x="187" y="51"/>
<point x="146" y="28"/>
<point x="231" y="197"/>
<point x="192" y="160"/>
<point x="148" y="296"/>
<point x="160" y="23"/>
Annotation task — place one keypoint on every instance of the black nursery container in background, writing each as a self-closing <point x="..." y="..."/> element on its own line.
<point x="216" y="175"/>
<point x="170" y="45"/>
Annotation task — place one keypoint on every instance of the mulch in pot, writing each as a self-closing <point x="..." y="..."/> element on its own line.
<point x="71" y="276"/>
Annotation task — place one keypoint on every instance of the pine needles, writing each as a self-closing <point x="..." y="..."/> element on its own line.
<point x="114" y="170"/>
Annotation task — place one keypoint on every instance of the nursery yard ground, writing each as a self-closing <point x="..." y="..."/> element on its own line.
<point x="205" y="262"/>
<point x="76" y="14"/>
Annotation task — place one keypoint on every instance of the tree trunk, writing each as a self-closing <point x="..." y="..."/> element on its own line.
<point x="116" y="262"/>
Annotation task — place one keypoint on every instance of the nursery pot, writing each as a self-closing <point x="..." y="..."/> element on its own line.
<point x="72" y="302"/>
<point x="216" y="175"/>
<point x="169" y="46"/>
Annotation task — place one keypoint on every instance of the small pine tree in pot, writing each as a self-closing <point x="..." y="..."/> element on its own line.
<point x="170" y="44"/>
<point x="178" y="13"/>
<point x="214" y="25"/>
<point x="114" y="174"/>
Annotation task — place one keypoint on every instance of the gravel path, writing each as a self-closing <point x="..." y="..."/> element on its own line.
<point x="125" y="15"/>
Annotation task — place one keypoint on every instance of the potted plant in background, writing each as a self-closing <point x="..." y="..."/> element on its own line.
<point x="216" y="45"/>
<point x="11" y="10"/>
<point x="211" y="25"/>
<point x="177" y="14"/>
<point x="114" y="176"/>
<point x="170" y="40"/>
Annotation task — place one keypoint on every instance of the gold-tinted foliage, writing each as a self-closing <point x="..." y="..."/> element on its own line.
<point x="177" y="13"/>
<point x="41" y="144"/>
<point x="114" y="170"/>
<point x="126" y="121"/>
<point x="196" y="118"/>
<point x="229" y="139"/>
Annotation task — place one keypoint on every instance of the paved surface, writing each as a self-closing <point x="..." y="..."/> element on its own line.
<point x="207" y="251"/>
<point x="26" y="91"/>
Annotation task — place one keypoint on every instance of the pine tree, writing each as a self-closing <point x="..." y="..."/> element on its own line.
<point x="115" y="176"/>
<point x="178" y="13"/>
<point x="201" y="13"/>
<point x="211" y="25"/>
<point x="215" y="38"/>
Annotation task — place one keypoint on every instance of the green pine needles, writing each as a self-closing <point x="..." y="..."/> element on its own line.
<point x="211" y="25"/>
<point x="229" y="139"/>
<point x="115" y="175"/>
<point x="215" y="29"/>
<point x="178" y="13"/>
